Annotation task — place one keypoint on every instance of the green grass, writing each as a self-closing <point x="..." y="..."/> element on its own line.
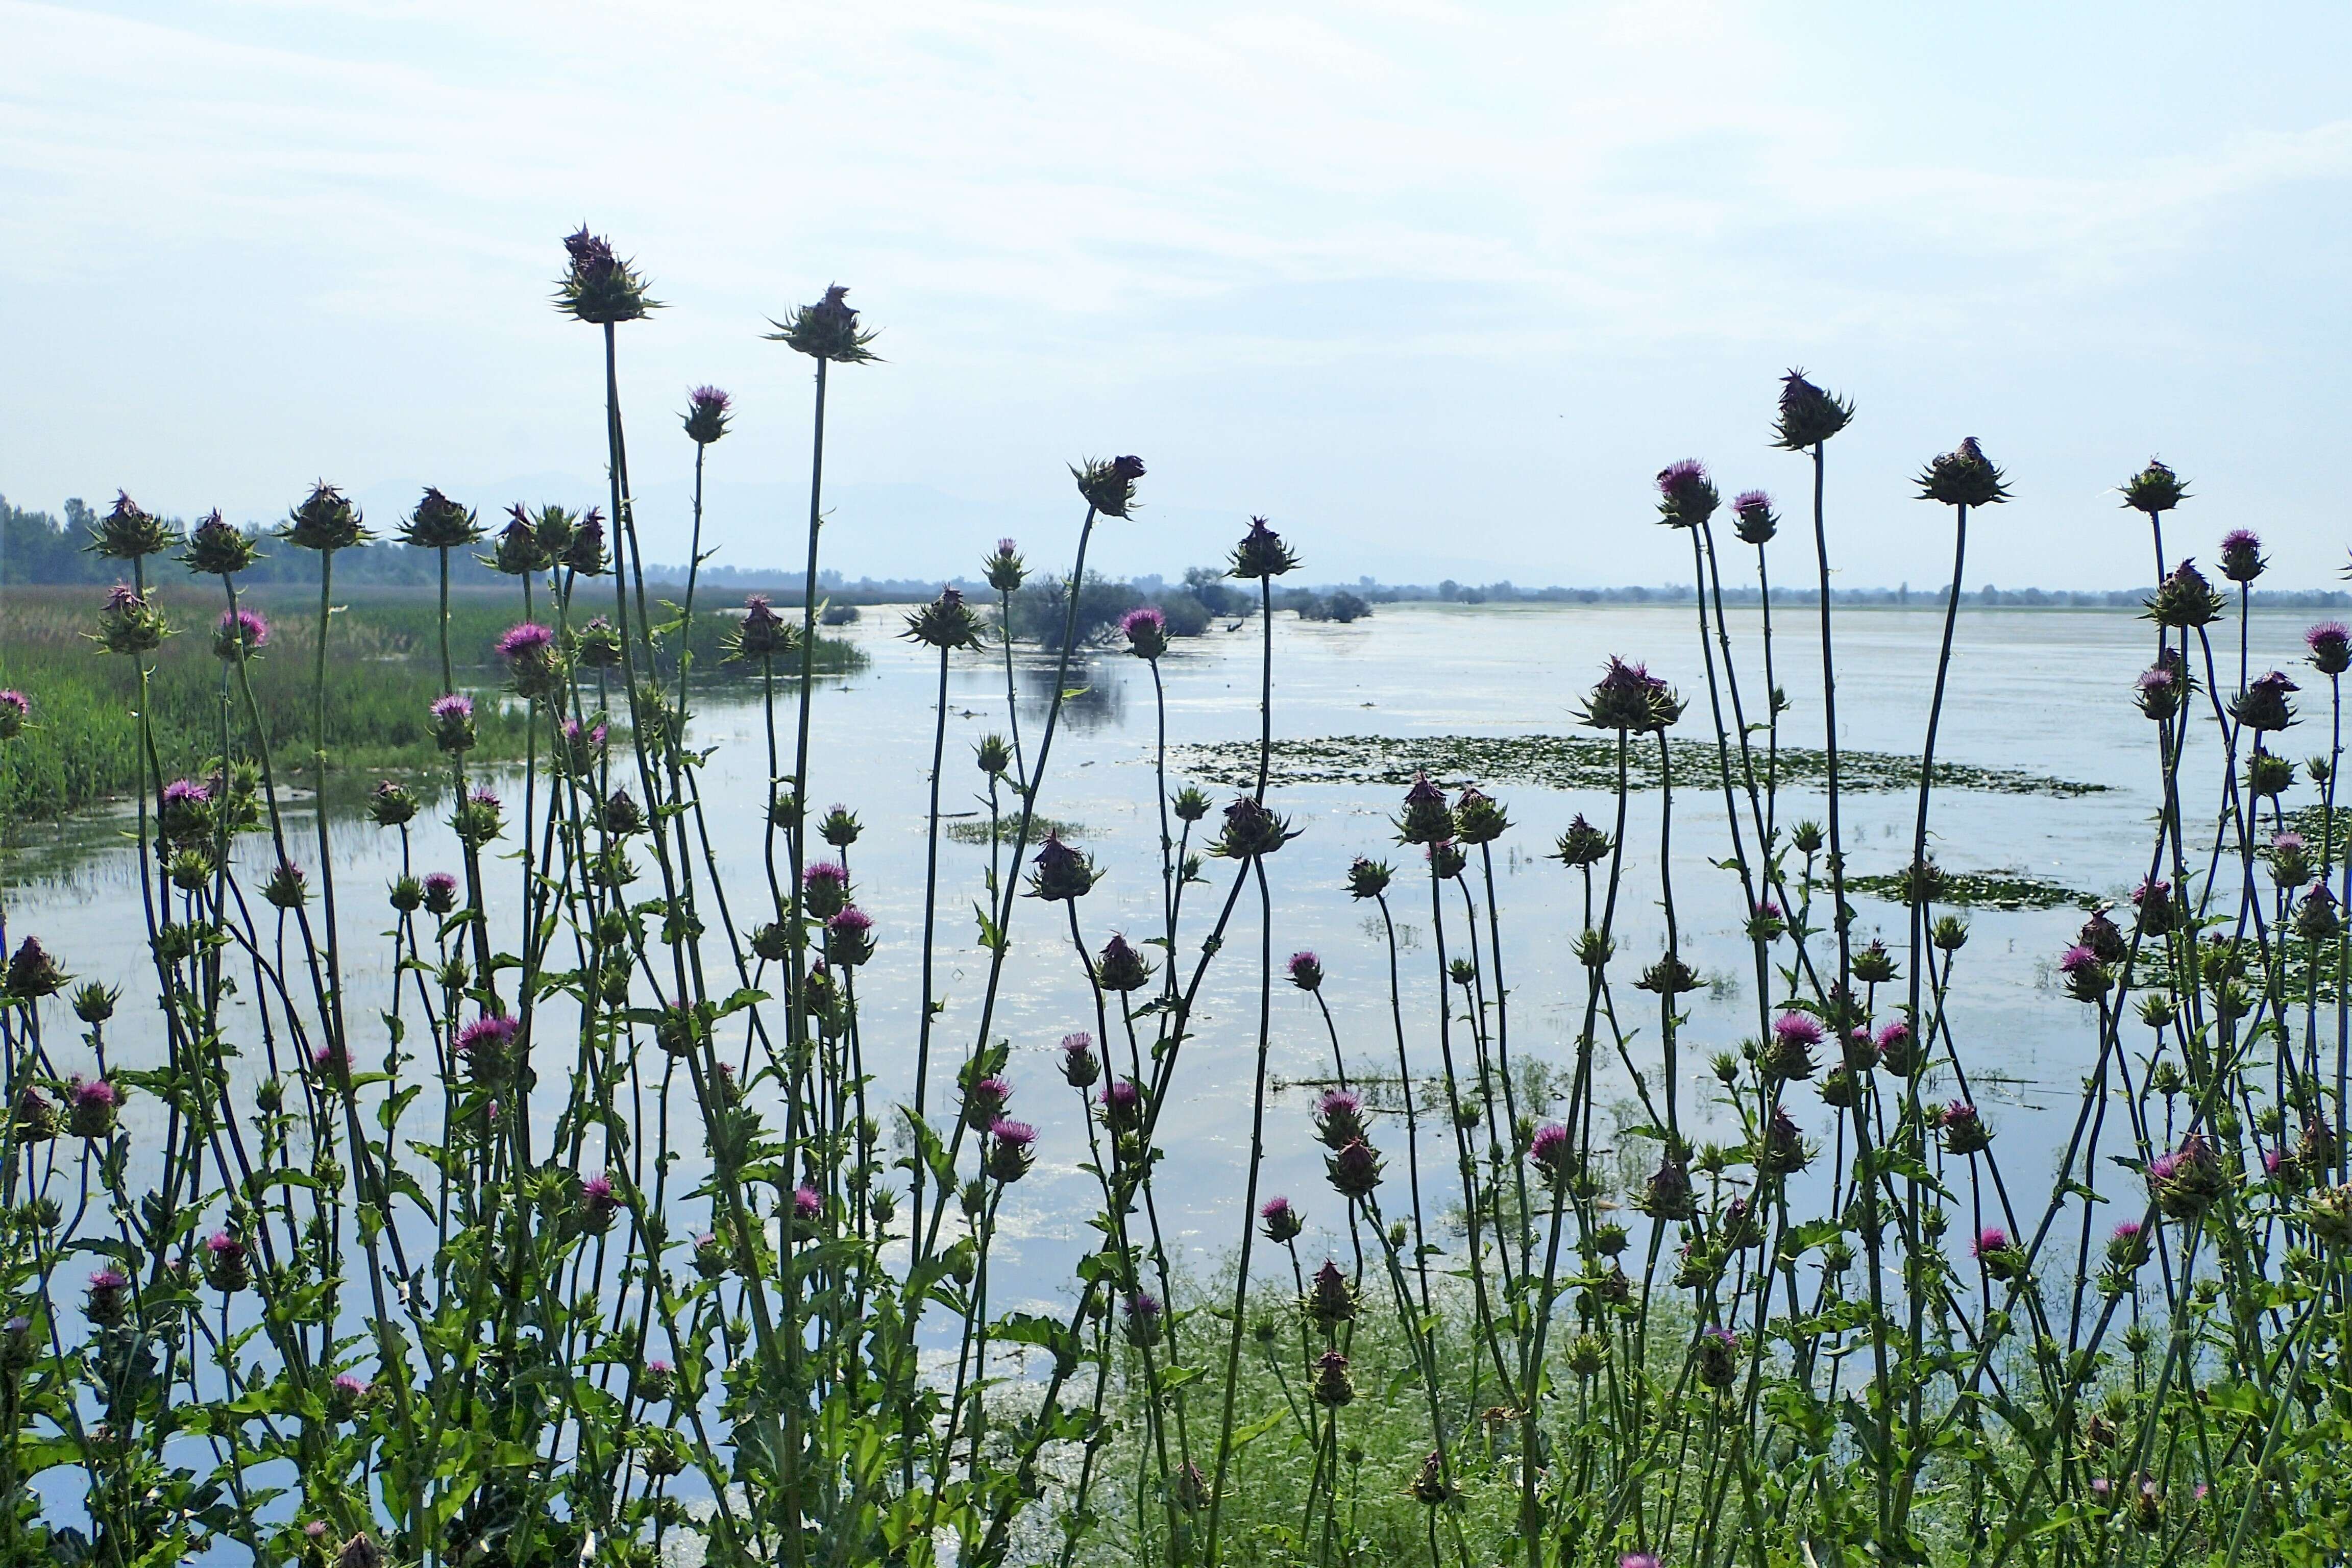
<point x="383" y="673"/>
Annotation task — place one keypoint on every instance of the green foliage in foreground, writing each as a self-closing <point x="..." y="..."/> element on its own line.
<point x="382" y="674"/>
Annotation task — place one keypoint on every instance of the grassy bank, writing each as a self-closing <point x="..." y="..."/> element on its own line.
<point x="383" y="672"/>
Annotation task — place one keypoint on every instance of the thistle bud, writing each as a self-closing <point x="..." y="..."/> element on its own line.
<point x="827" y="330"/>
<point x="1354" y="1170"/>
<point x="127" y="532"/>
<point x="2154" y="490"/>
<point x="1430" y="1488"/>
<point x="839" y="827"/>
<point x="946" y="623"/>
<point x="1780" y="1148"/>
<point x="15" y="708"/>
<point x="1060" y="873"/>
<point x="1142" y="1319"/>
<point x="1331" y="1300"/>
<point x="2241" y="556"/>
<point x="1477" y="820"/>
<point x="33" y="973"/>
<point x="288" y="888"/>
<point x="1962" y="1129"/>
<point x="1668" y="1194"/>
<point x="585" y="554"/>
<point x="1717" y="1357"/>
<point x="218" y="548"/>
<point x="93" y="1003"/>
<point x="1631" y="701"/>
<point x="1109" y="485"/>
<point x="324" y="521"/>
<point x="453" y="722"/>
<point x="130" y="622"/>
<point x="1368" y="878"/>
<point x="1753" y="520"/>
<point x="440" y="523"/>
<point x="1121" y="968"/>
<point x="598" y="287"/>
<point x="2184" y="600"/>
<point x="993" y="755"/>
<point x="1332" y="1386"/>
<point x="1808" y="415"/>
<point x="1874" y="965"/>
<point x="108" y="1301"/>
<point x="1006" y="570"/>
<point x="228" y="1268"/>
<point x="2263" y="706"/>
<point x="1260" y="553"/>
<point x="1963" y="477"/>
<point x="1081" y="1067"/>
<point x="707" y="415"/>
<point x="598" y="644"/>
<point x="440" y="893"/>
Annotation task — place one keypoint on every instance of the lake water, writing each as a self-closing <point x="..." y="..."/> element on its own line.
<point x="2043" y="691"/>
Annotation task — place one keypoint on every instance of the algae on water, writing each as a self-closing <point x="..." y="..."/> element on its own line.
<point x="1578" y="761"/>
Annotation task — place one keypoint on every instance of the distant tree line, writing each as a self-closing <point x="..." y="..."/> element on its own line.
<point x="41" y="547"/>
<point x="38" y="547"/>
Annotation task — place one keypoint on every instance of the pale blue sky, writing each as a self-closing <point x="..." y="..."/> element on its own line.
<point x="1438" y="287"/>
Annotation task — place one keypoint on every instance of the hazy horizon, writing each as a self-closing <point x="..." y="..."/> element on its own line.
<point x="1437" y="290"/>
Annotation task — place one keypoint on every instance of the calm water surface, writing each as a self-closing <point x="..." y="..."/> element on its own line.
<point x="2041" y="691"/>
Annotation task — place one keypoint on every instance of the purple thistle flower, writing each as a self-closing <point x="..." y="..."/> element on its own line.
<point x="485" y="797"/>
<point x="456" y="705"/>
<point x="1080" y="1067"/>
<point x="186" y="793"/>
<point x="1122" y="1102"/>
<point x="1306" y="971"/>
<point x="1991" y="1238"/>
<point x="1798" y="1028"/>
<point x="1687" y="497"/>
<point x="2075" y="960"/>
<point x="824" y="889"/>
<point x="1146" y="631"/>
<point x="1639" y="1560"/>
<point x="243" y="629"/>
<point x="10" y="698"/>
<point x="96" y="1092"/>
<point x="526" y="640"/>
<point x="1281" y="1220"/>
<point x="806" y="1204"/>
<point x="1548" y="1150"/>
<point x="2330" y="643"/>
<point x="1019" y="1134"/>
